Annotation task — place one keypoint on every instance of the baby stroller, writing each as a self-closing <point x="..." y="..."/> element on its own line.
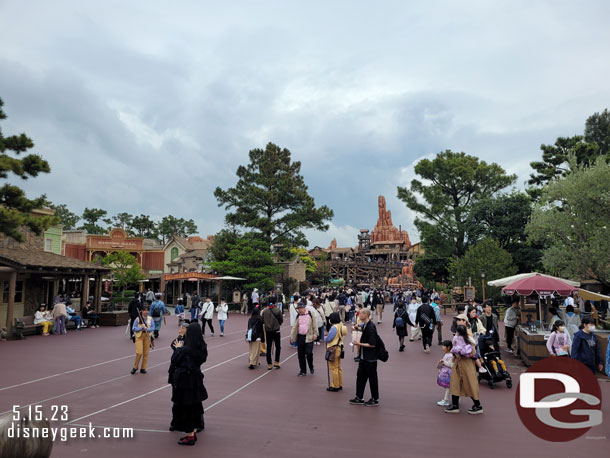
<point x="495" y="368"/>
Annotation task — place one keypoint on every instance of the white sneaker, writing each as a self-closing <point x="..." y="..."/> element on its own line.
<point x="482" y="370"/>
<point x="443" y="403"/>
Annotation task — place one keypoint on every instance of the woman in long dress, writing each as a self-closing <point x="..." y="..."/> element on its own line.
<point x="188" y="392"/>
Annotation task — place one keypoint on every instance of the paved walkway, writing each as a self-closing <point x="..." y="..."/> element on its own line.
<point x="267" y="413"/>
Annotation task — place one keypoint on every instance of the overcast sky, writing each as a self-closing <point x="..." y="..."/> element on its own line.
<point x="147" y="106"/>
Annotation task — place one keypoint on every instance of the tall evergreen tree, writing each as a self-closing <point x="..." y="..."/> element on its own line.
<point x="15" y="207"/>
<point x="585" y="150"/>
<point x="271" y="199"/>
<point x="453" y="183"/>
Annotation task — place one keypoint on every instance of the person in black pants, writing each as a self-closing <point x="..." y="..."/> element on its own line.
<point x="426" y="319"/>
<point x="132" y="309"/>
<point x="367" y="366"/>
<point x="272" y="320"/>
<point x="304" y="332"/>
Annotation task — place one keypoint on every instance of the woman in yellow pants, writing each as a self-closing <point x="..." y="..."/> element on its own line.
<point x="42" y="318"/>
<point x="334" y="342"/>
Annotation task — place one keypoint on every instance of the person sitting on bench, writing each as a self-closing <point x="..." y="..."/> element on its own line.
<point x="44" y="318"/>
<point x="73" y="316"/>
<point x="90" y="315"/>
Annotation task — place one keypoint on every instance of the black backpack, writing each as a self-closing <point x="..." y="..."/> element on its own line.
<point x="382" y="353"/>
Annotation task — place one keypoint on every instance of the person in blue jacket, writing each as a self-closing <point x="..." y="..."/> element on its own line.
<point x="157" y="311"/>
<point x="585" y="348"/>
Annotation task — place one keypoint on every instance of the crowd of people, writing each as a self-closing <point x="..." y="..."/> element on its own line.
<point x="327" y="316"/>
<point x="53" y="320"/>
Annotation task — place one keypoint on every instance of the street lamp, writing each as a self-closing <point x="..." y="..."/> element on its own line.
<point x="483" y="281"/>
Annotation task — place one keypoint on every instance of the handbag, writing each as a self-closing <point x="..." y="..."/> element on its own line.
<point x="330" y="354"/>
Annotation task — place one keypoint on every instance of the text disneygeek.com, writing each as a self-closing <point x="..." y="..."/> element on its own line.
<point x="63" y="433"/>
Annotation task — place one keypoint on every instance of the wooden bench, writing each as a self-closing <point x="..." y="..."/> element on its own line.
<point x="24" y="325"/>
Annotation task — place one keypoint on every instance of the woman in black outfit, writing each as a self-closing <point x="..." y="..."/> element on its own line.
<point x="401" y="325"/>
<point x="188" y="392"/>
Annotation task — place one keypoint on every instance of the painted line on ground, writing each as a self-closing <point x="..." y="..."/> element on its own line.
<point x="245" y="386"/>
<point x="101" y="364"/>
<point x="165" y="386"/>
<point x="82" y="389"/>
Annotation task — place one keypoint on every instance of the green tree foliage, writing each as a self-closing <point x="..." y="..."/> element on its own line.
<point x="223" y="240"/>
<point x="171" y="225"/>
<point x="303" y="254"/>
<point x="122" y="220"/>
<point x="572" y="219"/>
<point x="452" y="184"/>
<point x="249" y="257"/>
<point x="15" y="207"/>
<point x="431" y="269"/>
<point x="504" y="218"/>
<point x="597" y="130"/>
<point x="125" y="269"/>
<point x="143" y="226"/>
<point x="488" y="255"/>
<point x="271" y="199"/>
<point x="584" y="148"/>
<point x="65" y="216"/>
<point x="91" y="216"/>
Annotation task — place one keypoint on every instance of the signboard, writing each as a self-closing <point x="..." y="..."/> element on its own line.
<point x="194" y="276"/>
<point x="468" y="293"/>
<point x="116" y="239"/>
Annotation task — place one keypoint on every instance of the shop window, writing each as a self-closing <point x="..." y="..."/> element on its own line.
<point x="48" y="245"/>
<point x="174" y="253"/>
<point x="18" y="292"/>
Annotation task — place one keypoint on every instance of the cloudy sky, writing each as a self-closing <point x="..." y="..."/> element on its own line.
<point x="147" y="106"/>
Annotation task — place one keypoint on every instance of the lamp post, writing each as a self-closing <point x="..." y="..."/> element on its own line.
<point x="483" y="281"/>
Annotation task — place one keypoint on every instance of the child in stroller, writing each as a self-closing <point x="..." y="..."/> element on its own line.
<point x="490" y="359"/>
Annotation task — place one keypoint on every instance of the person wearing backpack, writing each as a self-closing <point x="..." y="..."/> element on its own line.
<point x="426" y="319"/>
<point x="401" y="320"/>
<point x="367" y="365"/>
<point x="254" y="337"/>
<point x="157" y="310"/>
<point x="195" y="306"/>
<point x="272" y="320"/>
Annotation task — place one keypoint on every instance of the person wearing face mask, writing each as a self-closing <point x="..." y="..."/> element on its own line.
<point x="585" y="348"/>
<point x="559" y="341"/>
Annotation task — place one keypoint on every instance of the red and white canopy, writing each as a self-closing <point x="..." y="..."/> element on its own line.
<point x="540" y="284"/>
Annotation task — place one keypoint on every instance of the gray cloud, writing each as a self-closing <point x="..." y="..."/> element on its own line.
<point x="146" y="108"/>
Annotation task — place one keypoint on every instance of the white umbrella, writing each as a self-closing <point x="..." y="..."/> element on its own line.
<point x="508" y="280"/>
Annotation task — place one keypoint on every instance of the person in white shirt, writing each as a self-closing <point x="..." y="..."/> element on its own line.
<point x="412" y="311"/>
<point x="206" y="315"/>
<point x="45" y="319"/>
<point x="222" y="311"/>
<point x="255" y="297"/>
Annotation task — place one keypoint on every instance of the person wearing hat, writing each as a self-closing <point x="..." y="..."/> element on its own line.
<point x="304" y="332"/>
<point x="334" y="343"/>
<point x="255" y="297"/>
<point x="142" y="332"/>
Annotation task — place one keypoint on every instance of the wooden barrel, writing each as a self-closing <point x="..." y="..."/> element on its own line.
<point x="531" y="346"/>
